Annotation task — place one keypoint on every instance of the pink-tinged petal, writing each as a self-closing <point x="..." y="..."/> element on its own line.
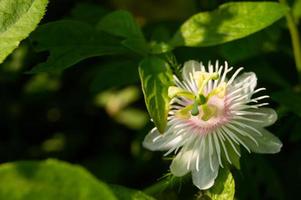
<point x="242" y="86"/>
<point x="185" y="160"/>
<point x="259" y="117"/>
<point x="258" y="140"/>
<point x="189" y="68"/>
<point x="155" y="141"/>
<point x="207" y="170"/>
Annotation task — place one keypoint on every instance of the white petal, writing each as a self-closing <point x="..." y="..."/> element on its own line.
<point x="260" y="117"/>
<point x="265" y="143"/>
<point x="189" y="67"/>
<point x="245" y="83"/>
<point x="154" y="140"/>
<point x="204" y="177"/>
<point x="182" y="163"/>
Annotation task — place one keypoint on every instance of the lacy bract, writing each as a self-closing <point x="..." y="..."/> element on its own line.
<point x="209" y="117"/>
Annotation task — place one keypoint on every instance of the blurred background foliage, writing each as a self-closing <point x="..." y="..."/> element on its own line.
<point x="93" y="114"/>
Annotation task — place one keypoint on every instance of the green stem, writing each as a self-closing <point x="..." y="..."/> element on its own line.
<point x="163" y="185"/>
<point x="156" y="188"/>
<point x="294" y="37"/>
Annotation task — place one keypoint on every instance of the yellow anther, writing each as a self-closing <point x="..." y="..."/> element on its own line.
<point x="184" y="113"/>
<point x="219" y="91"/>
<point x="174" y="91"/>
<point x="202" y="79"/>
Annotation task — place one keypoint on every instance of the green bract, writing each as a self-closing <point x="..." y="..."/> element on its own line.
<point x="156" y="77"/>
<point x="224" y="189"/>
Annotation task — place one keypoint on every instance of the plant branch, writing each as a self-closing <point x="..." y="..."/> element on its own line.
<point x="164" y="184"/>
<point x="294" y="37"/>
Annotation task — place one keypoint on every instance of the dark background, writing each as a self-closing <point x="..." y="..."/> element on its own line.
<point x="85" y="116"/>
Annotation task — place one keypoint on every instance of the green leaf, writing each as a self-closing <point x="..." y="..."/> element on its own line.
<point x="122" y="24"/>
<point x="229" y="22"/>
<point x="262" y="42"/>
<point x="69" y="42"/>
<point x="50" y="180"/>
<point x="124" y="193"/>
<point x="224" y="188"/>
<point x="88" y="12"/>
<point x="18" y="18"/>
<point x="156" y="77"/>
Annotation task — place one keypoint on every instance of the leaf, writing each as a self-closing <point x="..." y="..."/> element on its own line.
<point x="289" y="99"/>
<point x="88" y="12"/>
<point x="121" y="23"/>
<point x="224" y="188"/>
<point x="18" y="18"/>
<point x="156" y="77"/>
<point x="124" y="193"/>
<point x="262" y="42"/>
<point x="229" y="22"/>
<point x="69" y="42"/>
<point x="48" y="180"/>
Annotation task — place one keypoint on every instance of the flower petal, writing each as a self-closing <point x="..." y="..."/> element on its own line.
<point x="207" y="170"/>
<point x="259" y="117"/>
<point x="186" y="158"/>
<point x="267" y="143"/>
<point x="154" y="140"/>
<point x="247" y="79"/>
<point x="245" y="83"/>
<point x="189" y="67"/>
<point x="259" y="140"/>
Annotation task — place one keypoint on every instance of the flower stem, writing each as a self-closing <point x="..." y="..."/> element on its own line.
<point x="163" y="185"/>
<point x="294" y="37"/>
<point x="156" y="188"/>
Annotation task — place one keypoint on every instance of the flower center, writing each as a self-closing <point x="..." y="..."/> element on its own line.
<point x="204" y="106"/>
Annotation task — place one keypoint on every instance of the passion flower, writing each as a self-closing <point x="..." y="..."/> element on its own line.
<point x="210" y="117"/>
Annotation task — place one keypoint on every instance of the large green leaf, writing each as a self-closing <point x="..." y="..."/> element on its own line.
<point x="224" y="188"/>
<point x="70" y="42"/>
<point x="229" y="22"/>
<point x="156" y="77"/>
<point x="50" y="180"/>
<point x="262" y="42"/>
<point x="88" y="12"/>
<point x="122" y="23"/>
<point x="18" y="18"/>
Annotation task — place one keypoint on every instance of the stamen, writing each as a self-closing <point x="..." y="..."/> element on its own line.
<point x="217" y="148"/>
<point x="219" y="136"/>
<point x="210" y="150"/>
<point x="234" y="75"/>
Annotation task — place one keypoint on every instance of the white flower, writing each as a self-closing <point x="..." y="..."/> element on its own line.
<point x="210" y="116"/>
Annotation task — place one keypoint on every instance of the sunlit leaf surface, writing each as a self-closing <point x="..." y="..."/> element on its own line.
<point x="18" y="18"/>
<point x="229" y="22"/>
